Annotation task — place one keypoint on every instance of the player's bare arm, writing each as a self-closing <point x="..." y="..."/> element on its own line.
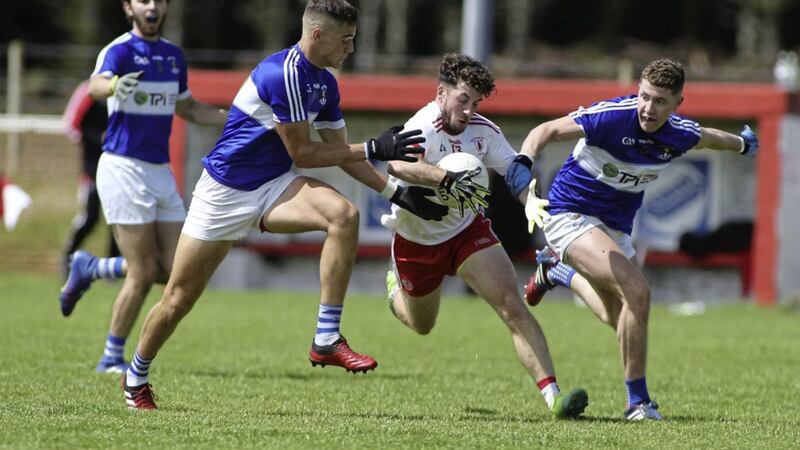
<point x="306" y="153"/>
<point x="714" y="139"/>
<point x="561" y="129"/>
<point x="200" y="113"/>
<point x="362" y="171"/>
<point x="420" y="173"/>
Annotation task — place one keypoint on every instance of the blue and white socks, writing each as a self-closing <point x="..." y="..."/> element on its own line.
<point x="114" y="351"/>
<point x="108" y="268"/>
<point x="637" y="391"/>
<point x="561" y="274"/>
<point x="328" y="324"/>
<point x="138" y="371"/>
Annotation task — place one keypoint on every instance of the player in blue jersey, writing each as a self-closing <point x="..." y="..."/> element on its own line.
<point x="248" y="182"/>
<point x="623" y="144"/>
<point x="143" y="77"/>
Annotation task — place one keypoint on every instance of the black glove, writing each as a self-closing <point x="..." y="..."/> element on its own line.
<point x="467" y="192"/>
<point x="392" y="144"/>
<point x="415" y="199"/>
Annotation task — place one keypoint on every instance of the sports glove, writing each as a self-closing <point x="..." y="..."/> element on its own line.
<point x="393" y="145"/>
<point x="466" y="192"/>
<point x="749" y="142"/>
<point x="415" y="199"/>
<point x="535" y="208"/>
<point x="122" y="86"/>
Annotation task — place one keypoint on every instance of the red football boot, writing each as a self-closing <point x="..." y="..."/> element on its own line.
<point x="539" y="284"/>
<point x="340" y="354"/>
<point x="139" y="397"/>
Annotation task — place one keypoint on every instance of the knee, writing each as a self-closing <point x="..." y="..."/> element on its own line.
<point x="512" y="309"/>
<point x="143" y="274"/>
<point x="177" y="302"/>
<point x="637" y="295"/>
<point x="346" y="218"/>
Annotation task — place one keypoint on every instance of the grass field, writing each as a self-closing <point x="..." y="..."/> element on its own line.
<point x="235" y="375"/>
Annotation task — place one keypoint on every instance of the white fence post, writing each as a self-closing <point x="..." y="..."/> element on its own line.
<point x="13" y="103"/>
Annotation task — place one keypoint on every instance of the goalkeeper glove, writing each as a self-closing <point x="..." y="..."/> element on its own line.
<point x="535" y="208"/>
<point x="466" y="191"/>
<point x="749" y="142"/>
<point x="122" y="86"/>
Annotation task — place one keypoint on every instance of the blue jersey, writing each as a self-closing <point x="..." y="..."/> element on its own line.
<point x="139" y="126"/>
<point x="607" y="172"/>
<point x="284" y="88"/>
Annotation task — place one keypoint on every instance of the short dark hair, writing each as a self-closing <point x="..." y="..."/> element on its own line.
<point x="339" y="10"/>
<point x="456" y="67"/>
<point x="665" y="73"/>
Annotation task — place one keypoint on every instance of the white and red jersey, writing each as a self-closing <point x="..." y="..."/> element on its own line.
<point x="481" y="138"/>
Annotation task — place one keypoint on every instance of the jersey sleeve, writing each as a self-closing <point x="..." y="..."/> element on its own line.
<point x="109" y="61"/>
<point x="279" y="87"/>
<point x="499" y="154"/>
<point x="596" y="119"/>
<point x="331" y="115"/>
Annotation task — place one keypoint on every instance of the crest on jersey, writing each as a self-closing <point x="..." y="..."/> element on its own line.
<point x="479" y="145"/>
<point x="174" y="64"/>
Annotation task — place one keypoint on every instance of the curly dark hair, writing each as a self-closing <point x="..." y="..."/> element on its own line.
<point x="339" y="10"/>
<point x="456" y="67"/>
<point x="665" y="73"/>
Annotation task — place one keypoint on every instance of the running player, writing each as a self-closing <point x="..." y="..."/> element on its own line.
<point x="623" y="144"/>
<point x="463" y="244"/>
<point x="248" y="182"/>
<point x="144" y="79"/>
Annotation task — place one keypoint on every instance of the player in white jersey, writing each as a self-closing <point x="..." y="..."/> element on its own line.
<point x="624" y="143"/>
<point x="248" y="183"/>
<point x="463" y="244"/>
<point x="143" y="77"/>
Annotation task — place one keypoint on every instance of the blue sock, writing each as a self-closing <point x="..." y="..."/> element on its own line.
<point x="561" y="274"/>
<point x="138" y="371"/>
<point x="637" y="391"/>
<point x="108" y="268"/>
<point x="114" y="351"/>
<point x="328" y="324"/>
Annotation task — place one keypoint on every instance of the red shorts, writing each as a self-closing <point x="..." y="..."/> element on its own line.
<point x="421" y="268"/>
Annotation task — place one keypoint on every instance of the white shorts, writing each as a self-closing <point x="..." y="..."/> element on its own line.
<point x="563" y="228"/>
<point x="222" y="213"/>
<point x="135" y="192"/>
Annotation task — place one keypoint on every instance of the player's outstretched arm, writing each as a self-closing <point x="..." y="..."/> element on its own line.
<point x="200" y="113"/>
<point x="746" y="143"/>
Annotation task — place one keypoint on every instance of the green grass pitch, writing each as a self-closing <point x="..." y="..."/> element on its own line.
<point x="236" y="375"/>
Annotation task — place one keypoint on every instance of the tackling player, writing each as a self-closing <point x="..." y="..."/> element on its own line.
<point x="623" y="144"/>
<point x="463" y="244"/>
<point x="248" y="182"/>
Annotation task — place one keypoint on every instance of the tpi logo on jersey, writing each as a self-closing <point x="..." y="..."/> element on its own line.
<point x="612" y="171"/>
<point x="140" y="60"/>
<point x="153" y="98"/>
<point x="479" y="145"/>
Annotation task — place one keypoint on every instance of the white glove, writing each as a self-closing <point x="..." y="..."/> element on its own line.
<point x="535" y="208"/>
<point x="122" y="86"/>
